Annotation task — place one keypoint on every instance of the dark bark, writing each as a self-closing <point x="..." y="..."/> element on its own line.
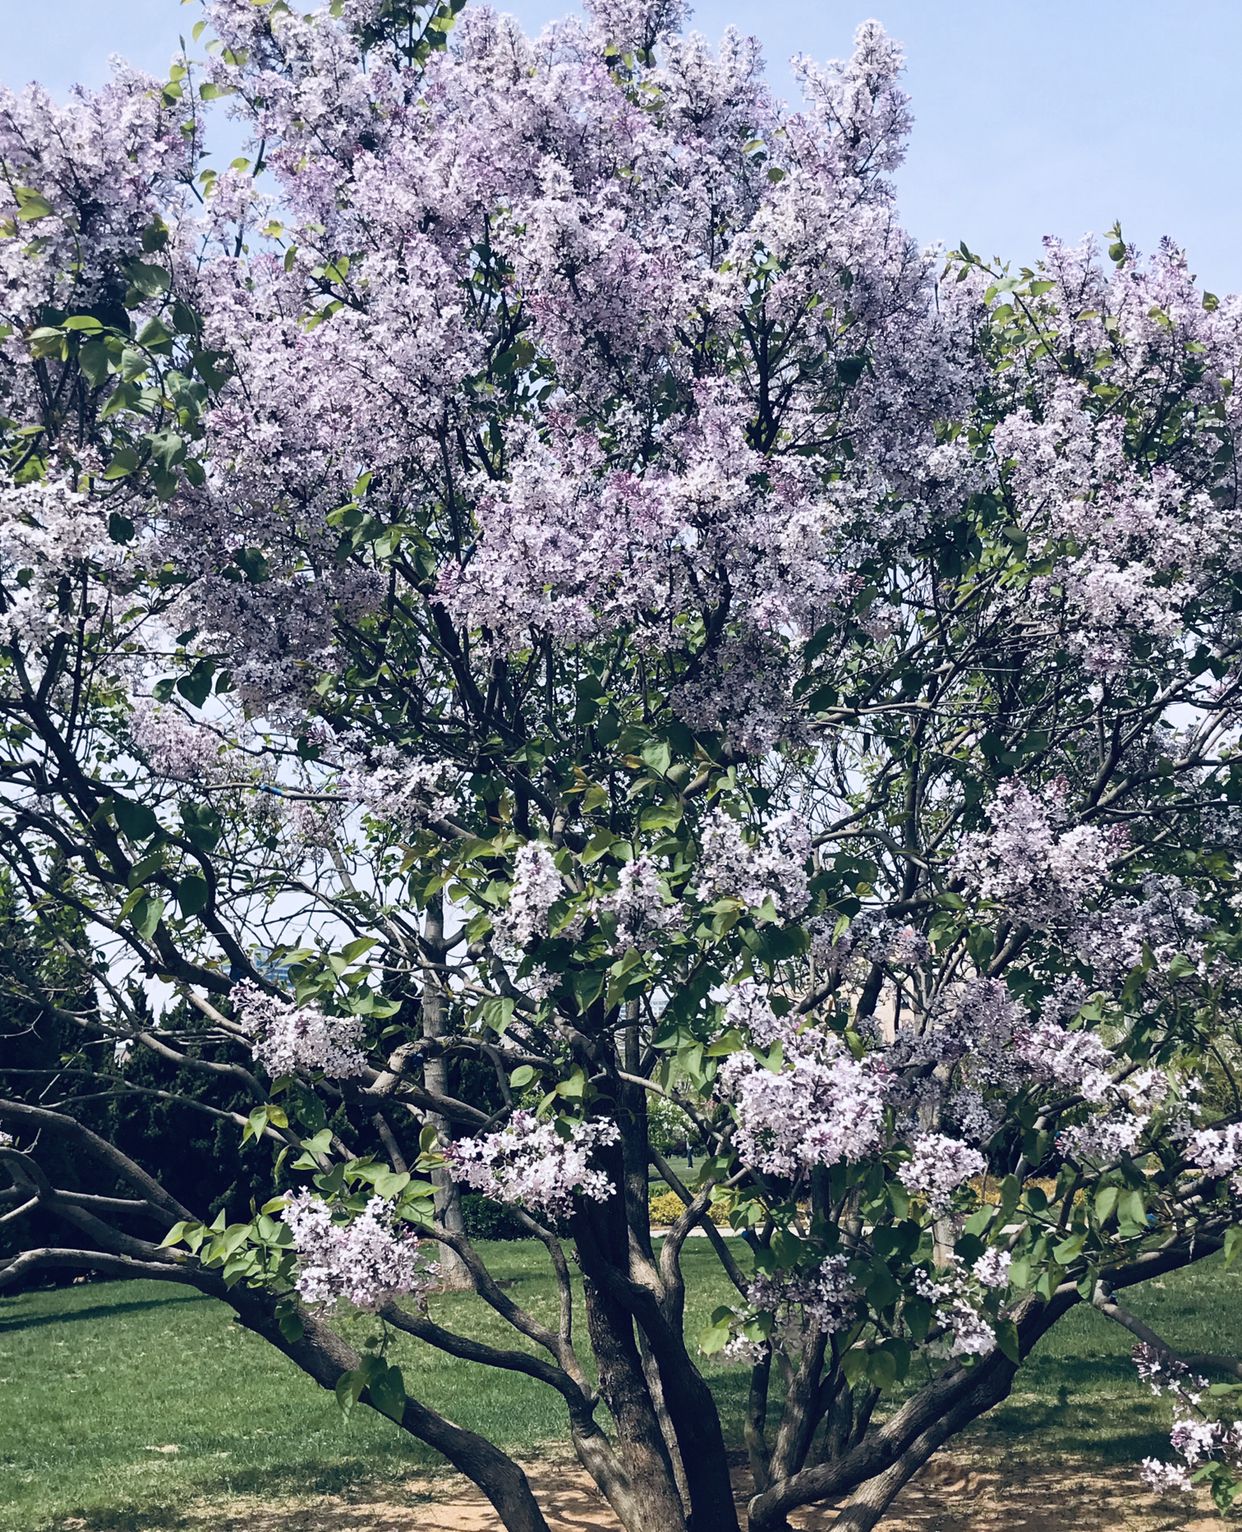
<point x="453" y="1273"/>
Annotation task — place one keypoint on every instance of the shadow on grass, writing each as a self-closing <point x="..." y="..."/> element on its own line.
<point x="96" y="1311"/>
<point x="270" y="1486"/>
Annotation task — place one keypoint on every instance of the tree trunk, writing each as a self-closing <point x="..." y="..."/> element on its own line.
<point x="453" y="1276"/>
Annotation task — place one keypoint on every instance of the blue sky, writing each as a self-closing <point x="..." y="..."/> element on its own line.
<point x="1056" y="117"/>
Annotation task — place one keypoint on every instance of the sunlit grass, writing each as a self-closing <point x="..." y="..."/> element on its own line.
<point x="96" y="1379"/>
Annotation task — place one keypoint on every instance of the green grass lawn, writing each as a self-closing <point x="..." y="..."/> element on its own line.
<point x="95" y="1378"/>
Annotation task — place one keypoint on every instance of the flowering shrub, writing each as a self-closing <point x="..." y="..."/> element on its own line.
<point x="555" y="630"/>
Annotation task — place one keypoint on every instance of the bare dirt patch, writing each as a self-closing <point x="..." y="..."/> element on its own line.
<point x="957" y="1494"/>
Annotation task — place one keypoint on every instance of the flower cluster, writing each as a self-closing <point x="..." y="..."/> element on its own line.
<point x="937" y="1166"/>
<point x="1026" y="863"/>
<point x="820" y="1106"/>
<point x="1216" y="1150"/>
<point x="772" y="869"/>
<point x="49" y="530"/>
<point x="824" y="1299"/>
<point x="287" y="1039"/>
<point x="177" y="747"/>
<point x="1197" y="1437"/>
<point x="541" y="1165"/>
<point x="639" y="905"/>
<point x="955" y="1294"/>
<point x="1075" y="1060"/>
<point x="368" y="1261"/>
<point x="991" y="1270"/>
<point x="536" y="888"/>
<point x="400" y="788"/>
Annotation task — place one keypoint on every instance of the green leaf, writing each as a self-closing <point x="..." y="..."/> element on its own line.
<point x="195" y="687"/>
<point x="291" y="1326"/>
<point x="93" y="359"/>
<point x="1132" y="1213"/>
<point x="1069" y="1249"/>
<point x="148" y="913"/>
<point x="917" y="1313"/>
<point x="32" y="206"/>
<point x="597" y="846"/>
<point x="714" y="1339"/>
<point x="349" y="1387"/>
<point x="124" y="461"/>
<point x="135" y="819"/>
<point x="855" y="1365"/>
<point x="881" y="1288"/>
<point x="1007" y="1340"/>
<point x="386" y="1391"/>
<point x="1106" y="1203"/>
<point x="149" y="280"/>
<point x="155" y="337"/>
<point x="521" y="1076"/>
<point x="882" y="1369"/>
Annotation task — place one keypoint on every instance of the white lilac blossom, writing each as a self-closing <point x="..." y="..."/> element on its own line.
<point x="401" y="788"/>
<point x="536" y="887"/>
<point x="368" y="1261"/>
<point x="772" y="868"/>
<point x="1166" y="1478"/>
<point x="1027" y="863"/>
<point x="543" y="1165"/>
<point x="1103" y="1140"/>
<point x="956" y="1300"/>
<point x="1197" y="1437"/>
<point x="180" y="748"/>
<point x="1164" y="921"/>
<point x="1130" y="549"/>
<point x="820" y="1107"/>
<point x="287" y="1038"/>
<point x="1216" y="1150"/>
<point x="748" y="1010"/>
<point x="937" y="1166"/>
<point x="992" y="1268"/>
<point x="47" y="531"/>
<point x="1078" y="1061"/>
<point x="104" y="164"/>
<point x="639" y="904"/>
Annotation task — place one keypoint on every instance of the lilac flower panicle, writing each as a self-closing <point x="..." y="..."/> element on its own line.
<point x="287" y="1039"/>
<point x="820" y="1107"/>
<point x="639" y="905"/>
<point x="1027" y="863"/>
<point x="991" y="1270"/>
<point x="1216" y="1150"/>
<point x="824" y="1300"/>
<point x="937" y="1166"/>
<point x="956" y="1299"/>
<point x="369" y="1261"/>
<point x="530" y="1162"/>
<point x="773" y="868"/>
<point x="536" y="888"/>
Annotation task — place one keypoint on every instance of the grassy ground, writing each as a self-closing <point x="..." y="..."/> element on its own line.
<point x="98" y="1383"/>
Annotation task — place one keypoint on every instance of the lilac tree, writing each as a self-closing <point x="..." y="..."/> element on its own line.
<point x="531" y="570"/>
